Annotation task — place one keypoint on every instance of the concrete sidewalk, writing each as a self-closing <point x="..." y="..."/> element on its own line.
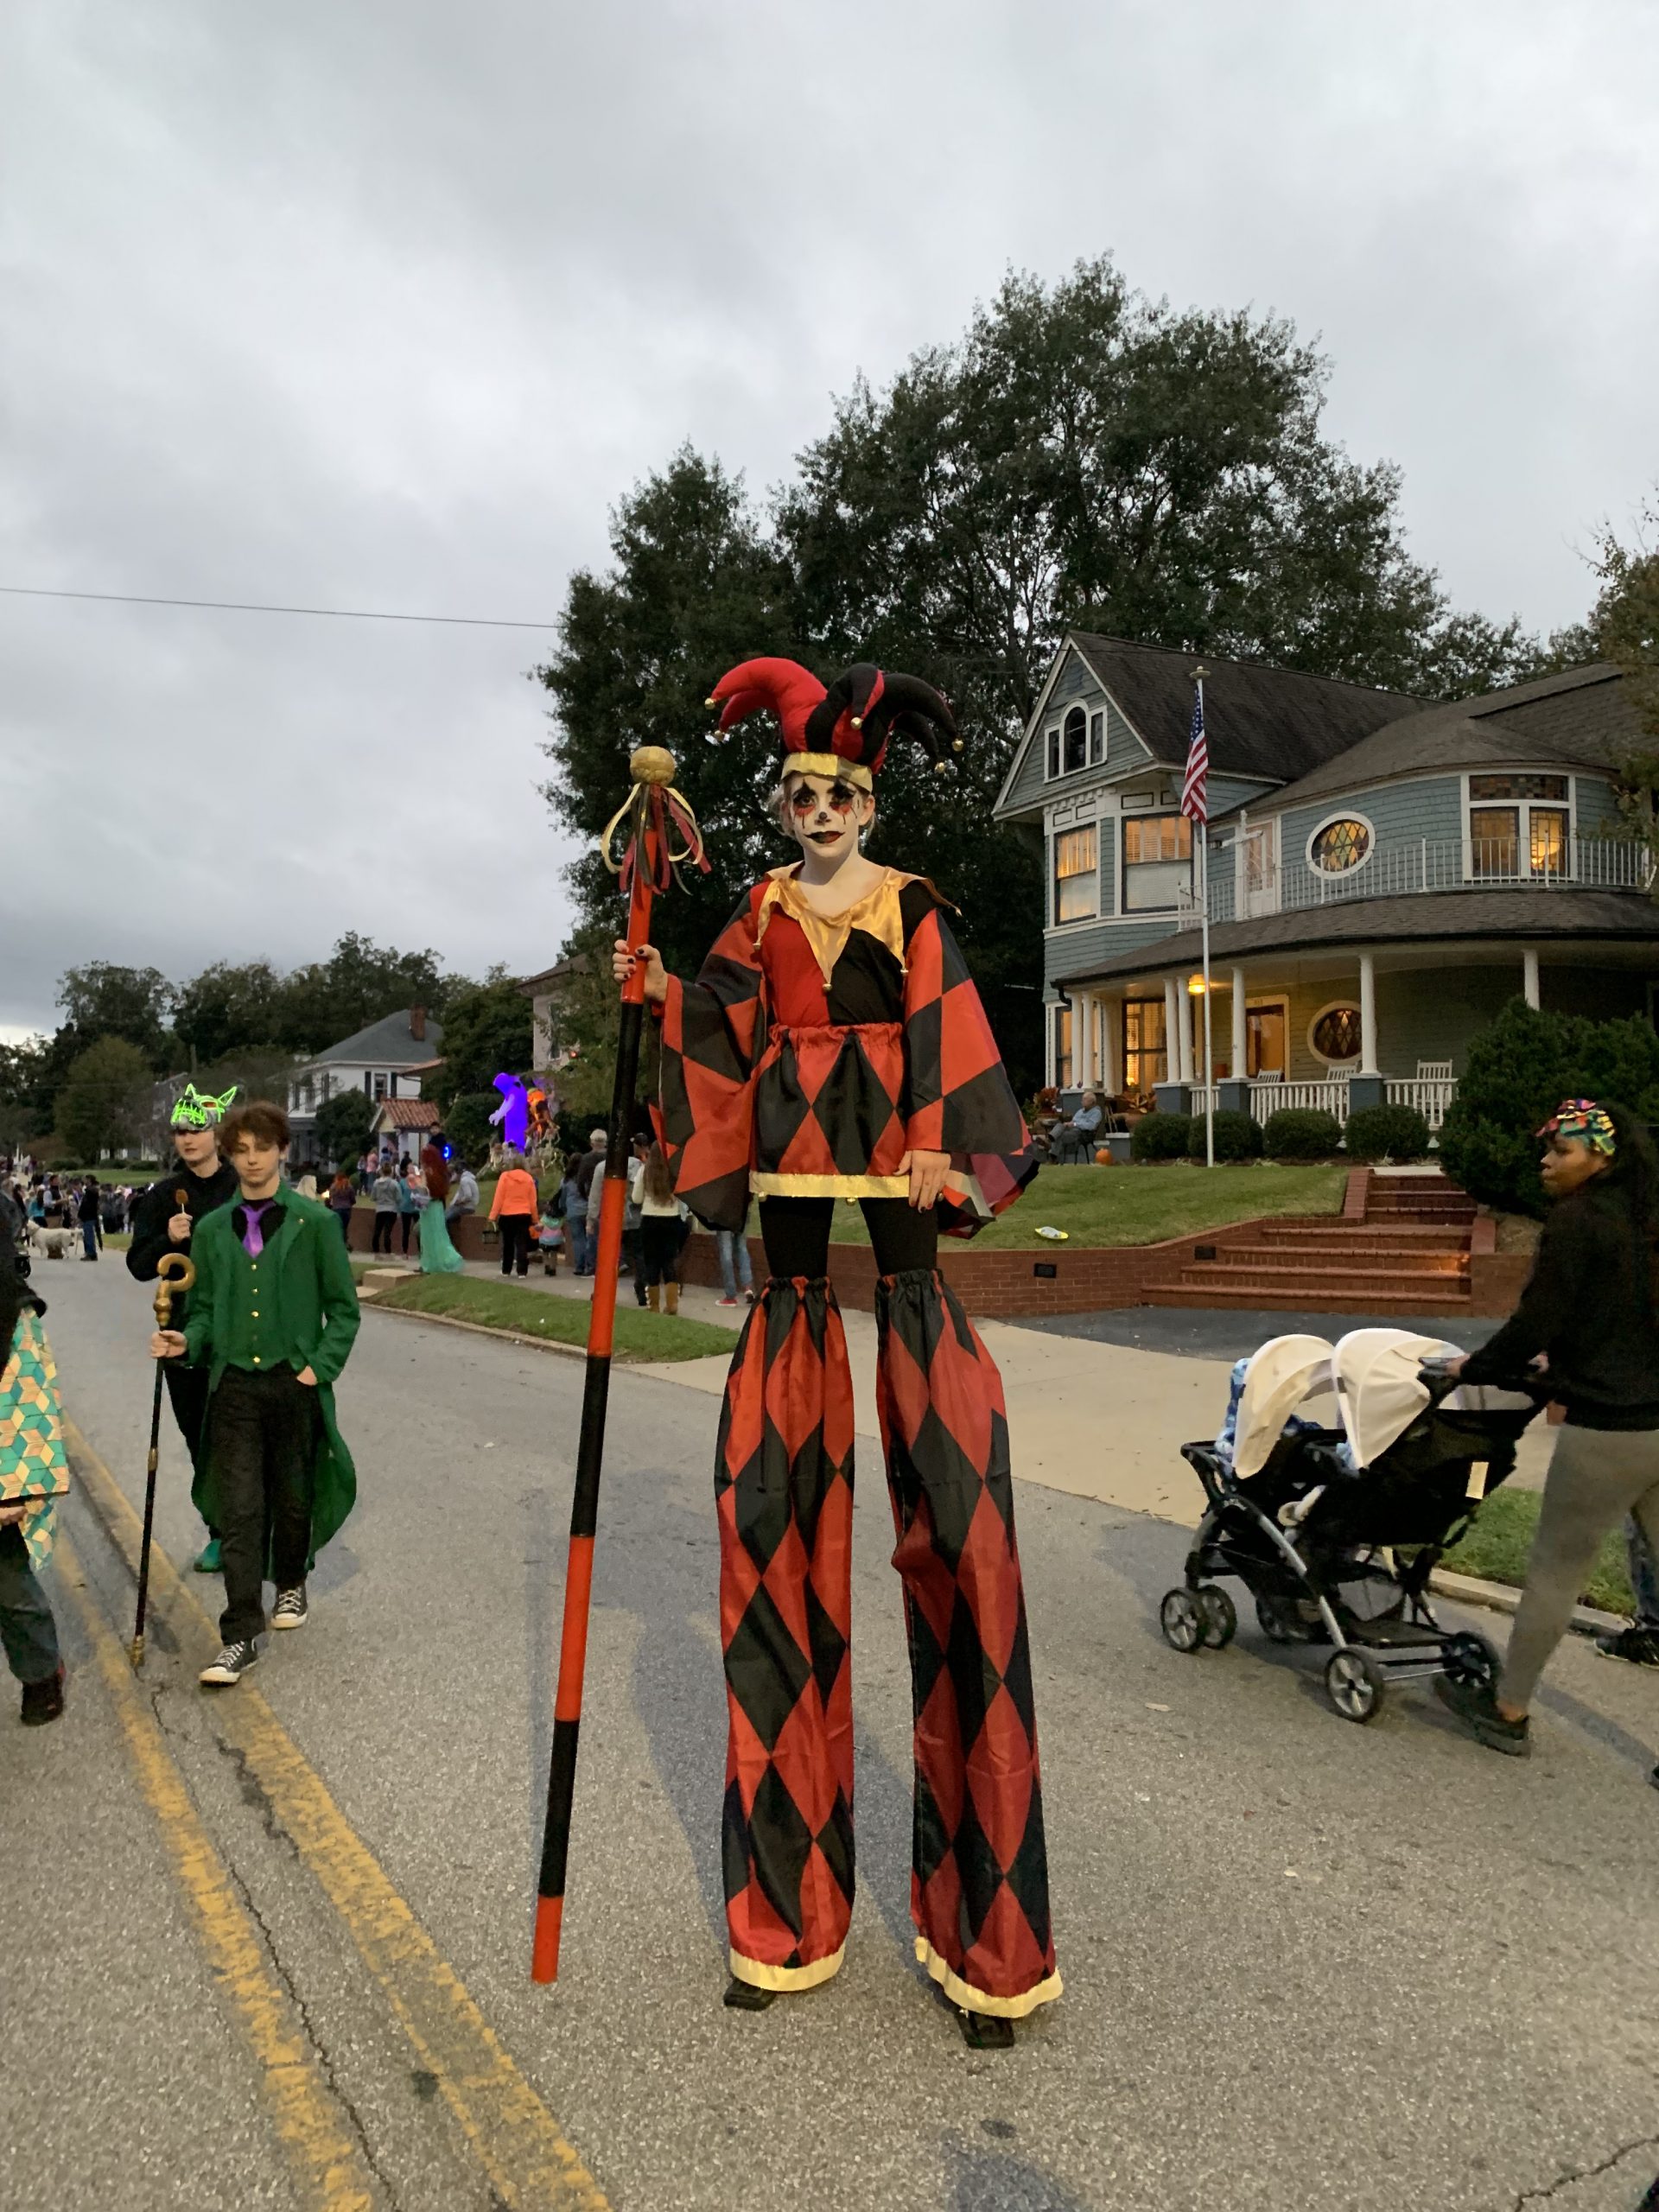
<point x="1088" y="1417"/>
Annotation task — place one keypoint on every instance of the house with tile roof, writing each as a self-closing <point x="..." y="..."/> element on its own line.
<point x="387" y="1060"/>
<point x="1384" y="874"/>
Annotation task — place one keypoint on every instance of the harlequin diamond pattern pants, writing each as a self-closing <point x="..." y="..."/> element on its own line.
<point x="979" y="1886"/>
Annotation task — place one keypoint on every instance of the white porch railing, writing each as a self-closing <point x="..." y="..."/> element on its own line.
<point x="1431" y="1097"/>
<point x="1399" y="868"/>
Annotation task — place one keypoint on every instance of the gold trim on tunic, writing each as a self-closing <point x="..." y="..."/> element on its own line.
<point x="877" y="913"/>
<point x="767" y="1186"/>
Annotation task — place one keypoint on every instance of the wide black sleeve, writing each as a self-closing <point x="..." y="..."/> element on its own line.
<point x="1561" y="1277"/>
<point x="151" y="1212"/>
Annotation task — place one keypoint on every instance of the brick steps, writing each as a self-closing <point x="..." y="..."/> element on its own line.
<point x="1311" y="1300"/>
<point x="1408" y="1255"/>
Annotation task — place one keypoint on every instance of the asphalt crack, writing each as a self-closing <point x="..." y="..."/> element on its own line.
<point x="1576" y="2174"/>
<point x="279" y="1967"/>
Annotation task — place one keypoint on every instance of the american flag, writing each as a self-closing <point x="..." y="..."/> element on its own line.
<point x="1194" y="800"/>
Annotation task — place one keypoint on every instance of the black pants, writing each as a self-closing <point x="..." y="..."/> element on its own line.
<point x="343" y="1216"/>
<point x="409" y="1222"/>
<point x="515" y="1242"/>
<point x="384" y="1222"/>
<point x="659" y="1248"/>
<point x="634" y="1259"/>
<point x="262" y="1434"/>
<point x="795" y="1233"/>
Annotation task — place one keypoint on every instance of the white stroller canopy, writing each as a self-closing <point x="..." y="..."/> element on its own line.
<point x="1284" y="1372"/>
<point x="1379" y="1388"/>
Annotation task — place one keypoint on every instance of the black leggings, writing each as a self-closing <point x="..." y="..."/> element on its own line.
<point x="795" y="1233"/>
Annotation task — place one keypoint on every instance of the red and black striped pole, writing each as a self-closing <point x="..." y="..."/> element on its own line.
<point x="655" y="814"/>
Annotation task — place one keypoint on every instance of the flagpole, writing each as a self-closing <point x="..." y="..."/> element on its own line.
<point x="1204" y="897"/>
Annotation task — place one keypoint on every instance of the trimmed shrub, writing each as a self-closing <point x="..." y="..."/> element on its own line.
<point x="1520" y="1067"/>
<point x="1301" y="1133"/>
<point x="1398" y="1133"/>
<point x="467" y="1124"/>
<point x="1160" y="1136"/>
<point x="1238" y="1137"/>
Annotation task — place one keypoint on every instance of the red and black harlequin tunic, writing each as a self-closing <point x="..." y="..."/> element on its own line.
<point x="811" y="1055"/>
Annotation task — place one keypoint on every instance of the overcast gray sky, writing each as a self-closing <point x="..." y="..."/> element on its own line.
<point x="383" y="304"/>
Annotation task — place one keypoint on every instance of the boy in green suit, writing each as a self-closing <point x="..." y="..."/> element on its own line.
<point x="272" y="1315"/>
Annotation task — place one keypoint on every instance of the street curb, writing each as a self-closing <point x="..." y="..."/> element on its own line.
<point x="1503" y="1598"/>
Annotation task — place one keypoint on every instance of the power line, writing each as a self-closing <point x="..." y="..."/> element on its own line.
<point x="258" y="606"/>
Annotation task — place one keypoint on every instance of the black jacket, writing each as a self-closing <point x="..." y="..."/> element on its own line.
<point x="1589" y="1305"/>
<point x="153" y="1208"/>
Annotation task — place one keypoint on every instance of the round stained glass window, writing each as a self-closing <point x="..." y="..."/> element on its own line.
<point x="1335" y="1034"/>
<point x="1340" y="845"/>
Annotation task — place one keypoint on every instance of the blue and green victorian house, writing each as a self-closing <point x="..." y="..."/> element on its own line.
<point x="1383" y="874"/>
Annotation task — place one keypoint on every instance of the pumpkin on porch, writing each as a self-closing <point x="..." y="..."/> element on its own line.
<point x="1103" y="1157"/>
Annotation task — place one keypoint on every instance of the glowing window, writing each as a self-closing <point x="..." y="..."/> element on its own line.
<point x="1340" y="845"/>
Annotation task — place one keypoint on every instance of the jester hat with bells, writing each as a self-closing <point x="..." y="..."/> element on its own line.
<point x="842" y="731"/>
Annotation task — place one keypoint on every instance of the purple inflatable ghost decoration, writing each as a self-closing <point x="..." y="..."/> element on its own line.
<point x="512" y="1115"/>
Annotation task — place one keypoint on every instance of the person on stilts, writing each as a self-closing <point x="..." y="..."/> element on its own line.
<point x="273" y="1316"/>
<point x="161" y="1224"/>
<point x="834" y="1047"/>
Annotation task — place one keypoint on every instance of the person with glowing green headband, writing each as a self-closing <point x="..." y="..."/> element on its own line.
<point x="1589" y="1319"/>
<point x="164" y="1218"/>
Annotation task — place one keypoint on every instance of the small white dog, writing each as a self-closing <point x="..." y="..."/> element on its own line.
<point x="50" y="1243"/>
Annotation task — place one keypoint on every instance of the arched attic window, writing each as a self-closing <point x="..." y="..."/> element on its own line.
<point x="1074" y="742"/>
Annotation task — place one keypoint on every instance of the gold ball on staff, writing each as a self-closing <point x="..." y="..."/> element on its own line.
<point x="651" y="764"/>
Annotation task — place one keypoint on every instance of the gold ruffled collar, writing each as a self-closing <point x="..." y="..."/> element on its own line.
<point x="877" y="913"/>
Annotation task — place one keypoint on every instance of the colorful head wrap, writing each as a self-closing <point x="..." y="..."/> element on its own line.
<point x="199" y="1110"/>
<point x="1582" y="1121"/>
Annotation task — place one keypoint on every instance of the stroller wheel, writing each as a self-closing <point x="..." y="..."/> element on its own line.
<point x="1220" y="1616"/>
<point x="1471" y="1658"/>
<point x="1354" y="1684"/>
<point x="1184" y="1621"/>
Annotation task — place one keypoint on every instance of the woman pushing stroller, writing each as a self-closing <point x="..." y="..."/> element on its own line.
<point x="1589" y="1312"/>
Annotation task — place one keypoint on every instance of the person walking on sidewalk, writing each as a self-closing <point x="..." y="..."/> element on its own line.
<point x="32" y="1464"/>
<point x="411" y="1198"/>
<point x="660" y="1215"/>
<point x="387" y="1195"/>
<point x="1639" y="1643"/>
<point x="273" y="1316"/>
<point x="513" y="1209"/>
<point x="89" y="1203"/>
<point x="342" y="1202"/>
<point x="438" y="1256"/>
<point x="732" y="1251"/>
<point x="1589" y="1309"/>
<point x="164" y="1219"/>
<point x="591" y="1164"/>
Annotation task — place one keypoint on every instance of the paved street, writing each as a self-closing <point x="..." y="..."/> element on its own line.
<point x="1307" y="1964"/>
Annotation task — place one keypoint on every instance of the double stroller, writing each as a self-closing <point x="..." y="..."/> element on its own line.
<point x="1335" y="1528"/>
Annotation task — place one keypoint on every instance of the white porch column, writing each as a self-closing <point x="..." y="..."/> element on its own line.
<point x="1367" y="1016"/>
<point x="1111" y="1073"/>
<point x="1090" y="1077"/>
<point x="1529" y="977"/>
<point x="1172" y="1033"/>
<point x="1241" y="1041"/>
<point x="1184" y="1001"/>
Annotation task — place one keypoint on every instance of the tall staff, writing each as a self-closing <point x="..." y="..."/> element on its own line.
<point x="174" y="1274"/>
<point x="1195" y="805"/>
<point x="661" y="832"/>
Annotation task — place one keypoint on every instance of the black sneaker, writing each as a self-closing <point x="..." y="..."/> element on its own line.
<point x="290" y="1610"/>
<point x="1477" y="1708"/>
<point x="232" y="1663"/>
<point x="42" y="1701"/>
<point x="1637" y="1644"/>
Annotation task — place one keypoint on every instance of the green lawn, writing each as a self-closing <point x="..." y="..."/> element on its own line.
<point x="639" y="1335"/>
<point x="1498" y="1546"/>
<point x="1141" y="1205"/>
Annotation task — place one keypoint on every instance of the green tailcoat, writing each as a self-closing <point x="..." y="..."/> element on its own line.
<point x="320" y="1318"/>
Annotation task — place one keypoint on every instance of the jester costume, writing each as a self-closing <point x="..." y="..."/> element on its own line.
<point x="807" y="1060"/>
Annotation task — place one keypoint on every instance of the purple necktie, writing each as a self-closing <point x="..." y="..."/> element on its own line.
<point x="253" y="1236"/>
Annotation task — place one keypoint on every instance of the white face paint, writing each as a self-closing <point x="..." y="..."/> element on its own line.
<point x="824" y="816"/>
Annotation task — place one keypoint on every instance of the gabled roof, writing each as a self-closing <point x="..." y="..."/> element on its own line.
<point x="1583" y="717"/>
<point x="407" y="1114"/>
<point x="1271" y="723"/>
<point x="390" y="1041"/>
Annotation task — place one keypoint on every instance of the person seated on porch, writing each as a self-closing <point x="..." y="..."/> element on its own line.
<point x="1077" y="1139"/>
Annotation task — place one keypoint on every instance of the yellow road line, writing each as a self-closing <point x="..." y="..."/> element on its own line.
<point x="328" y="2167"/>
<point x="508" y="2129"/>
